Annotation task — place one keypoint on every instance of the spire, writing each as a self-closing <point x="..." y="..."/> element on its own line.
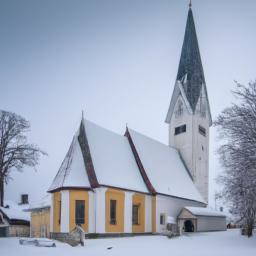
<point x="190" y="65"/>
<point x="82" y="115"/>
<point x="190" y="4"/>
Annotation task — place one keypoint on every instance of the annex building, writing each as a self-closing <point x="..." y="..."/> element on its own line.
<point x="115" y="184"/>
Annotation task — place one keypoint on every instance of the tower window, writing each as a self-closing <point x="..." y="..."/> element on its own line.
<point x="113" y="212"/>
<point x="180" y="129"/>
<point x="179" y="110"/>
<point x="202" y="130"/>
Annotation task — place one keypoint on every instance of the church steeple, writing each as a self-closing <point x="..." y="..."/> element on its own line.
<point x="189" y="115"/>
<point x="190" y="71"/>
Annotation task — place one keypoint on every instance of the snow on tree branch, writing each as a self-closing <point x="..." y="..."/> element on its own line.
<point x="237" y="131"/>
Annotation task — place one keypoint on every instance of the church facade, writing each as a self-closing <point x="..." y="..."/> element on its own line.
<point x="114" y="184"/>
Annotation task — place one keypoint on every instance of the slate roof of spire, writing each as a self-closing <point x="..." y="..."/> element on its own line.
<point x="190" y="71"/>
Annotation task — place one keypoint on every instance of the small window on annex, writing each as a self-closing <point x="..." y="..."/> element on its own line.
<point x="180" y="129"/>
<point x="202" y="130"/>
<point x="135" y="214"/>
<point x="113" y="212"/>
<point x="162" y="219"/>
<point x="80" y="211"/>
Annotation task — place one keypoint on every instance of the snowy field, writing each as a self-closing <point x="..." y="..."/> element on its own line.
<point x="197" y="244"/>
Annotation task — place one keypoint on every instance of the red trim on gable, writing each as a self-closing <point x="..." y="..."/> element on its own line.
<point x="83" y="142"/>
<point x="139" y="163"/>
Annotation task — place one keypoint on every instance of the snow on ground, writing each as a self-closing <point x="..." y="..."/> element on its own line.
<point x="226" y="243"/>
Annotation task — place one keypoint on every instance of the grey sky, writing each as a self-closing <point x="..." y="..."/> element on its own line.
<point x="118" y="61"/>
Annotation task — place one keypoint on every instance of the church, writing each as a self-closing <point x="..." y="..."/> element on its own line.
<point x="132" y="184"/>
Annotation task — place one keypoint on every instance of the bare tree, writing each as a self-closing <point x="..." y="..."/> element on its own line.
<point x="237" y="129"/>
<point x="15" y="152"/>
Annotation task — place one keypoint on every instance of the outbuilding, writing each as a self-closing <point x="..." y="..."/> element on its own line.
<point x="13" y="220"/>
<point x="40" y="217"/>
<point x="200" y="219"/>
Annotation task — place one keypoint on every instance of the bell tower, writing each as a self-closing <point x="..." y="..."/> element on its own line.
<point x="189" y="115"/>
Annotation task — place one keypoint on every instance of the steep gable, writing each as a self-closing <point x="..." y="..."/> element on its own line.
<point x="164" y="168"/>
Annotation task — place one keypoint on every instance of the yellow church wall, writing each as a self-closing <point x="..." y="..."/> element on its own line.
<point x="56" y="211"/>
<point x="40" y="223"/>
<point x="153" y="214"/>
<point x="139" y="200"/>
<point x="73" y="196"/>
<point x="118" y="195"/>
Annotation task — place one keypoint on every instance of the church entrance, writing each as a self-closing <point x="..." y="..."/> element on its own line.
<point x="189" y="226"/>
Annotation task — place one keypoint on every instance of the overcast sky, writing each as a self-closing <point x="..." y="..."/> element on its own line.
<point x="116" y="60"/>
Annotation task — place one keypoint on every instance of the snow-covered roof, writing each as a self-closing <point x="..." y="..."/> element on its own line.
<point x="164" y="168"/>
<point x="202" y="211"/>
<point x="107" y="159"/>
<point x="15" y="211"/>
<point x="113" y="160"/>
<point x="72" y="171"/>
<point x="45" y="202"/>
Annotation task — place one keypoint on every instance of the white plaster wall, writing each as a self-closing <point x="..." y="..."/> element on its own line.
<point x="170" y="207"/>
<point x="128" y="212"/>
<point x="100" y="209"/>
<point x="182" y="141"/>
<point x="148" y="213"/>
<point x="64" y="224"/>
<point x="206" y="223"/>
<point x="92" y="215"/>
<point x="193" y="146"/>
<point x="51" y="214"/>
<point x="201" y="149"/>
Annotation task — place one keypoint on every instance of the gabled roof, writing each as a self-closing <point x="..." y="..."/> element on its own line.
<point x="107" y="154"/>
<point x="72" y="170"/>
<point x="15" y="212"/>
<point x="203" y="211"/>
<point x="113" y="160"/>
<point x="164" y="168"/>
<point x="132" y="162"/>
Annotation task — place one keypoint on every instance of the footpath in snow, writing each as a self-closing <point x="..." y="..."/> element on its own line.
<point x="227" y="243"/>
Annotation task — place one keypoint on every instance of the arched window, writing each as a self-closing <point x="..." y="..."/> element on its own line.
<point x="179" y="110"/>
